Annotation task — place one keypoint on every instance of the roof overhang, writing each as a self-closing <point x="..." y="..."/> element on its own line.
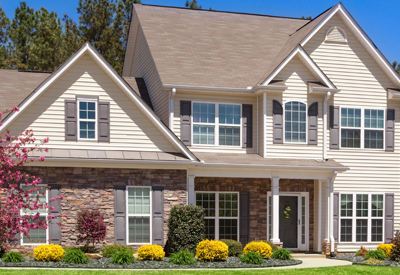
<point x="317" y="88"/>
<point x="393" y="93"/>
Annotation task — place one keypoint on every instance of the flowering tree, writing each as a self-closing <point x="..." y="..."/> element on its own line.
<point x="91" y="228"/>
<point x="18" y="188"/>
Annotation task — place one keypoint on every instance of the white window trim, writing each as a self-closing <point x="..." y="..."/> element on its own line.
<point x="46" y="214"/>
<point x="362" y="128"/>
<point x="354" y="218"/>
<point x="139" y="215"/>
<point x="217" y="217"/>
<point x="284" y="123"/>
<point x="79" y="100"/>
<point x="216" y="124"/>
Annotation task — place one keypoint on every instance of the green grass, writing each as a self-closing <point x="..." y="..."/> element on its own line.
<point x="330" y="270"/>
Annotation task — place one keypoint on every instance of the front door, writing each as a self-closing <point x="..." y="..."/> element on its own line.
<point x="288" y="221"/>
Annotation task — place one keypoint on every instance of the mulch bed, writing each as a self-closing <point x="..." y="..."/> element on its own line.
<point x="361" y="261"/>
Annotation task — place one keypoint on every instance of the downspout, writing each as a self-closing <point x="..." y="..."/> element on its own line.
<point x="324" y="130"/>
<point x="171" y="107"/>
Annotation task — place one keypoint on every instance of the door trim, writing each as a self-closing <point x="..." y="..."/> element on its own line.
<point x="300" y="246"/>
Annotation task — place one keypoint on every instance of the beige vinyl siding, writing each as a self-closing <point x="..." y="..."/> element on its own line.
<point x="362" y="83"/>
<point x="296" y="75"/>
<point x="260" y="123"/>
<point x="216" y="99"/>
<point x="130" y="129"/>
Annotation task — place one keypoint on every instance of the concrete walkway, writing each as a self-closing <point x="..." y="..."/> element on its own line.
<point x="314" y="261"/>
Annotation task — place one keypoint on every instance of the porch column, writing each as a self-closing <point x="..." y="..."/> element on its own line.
<point x="275" y="210"/>
<point x="191" y="195"/>
<point x="330" y="215"/>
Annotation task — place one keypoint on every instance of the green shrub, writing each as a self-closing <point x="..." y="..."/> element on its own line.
<point x="109" y="250"/>
<point x="395" y="255"/>
<point x="185" y="228"/>
<point x="234" y="247"/>
<point x="251" y="258"/>
<point x="13" y="257"/>
<point x="123" y="256"/>
<point x="375" y="254"/>
<point x="183" y="257"/>
<point x="281" y="254"/>
<point x="75" y="256"/>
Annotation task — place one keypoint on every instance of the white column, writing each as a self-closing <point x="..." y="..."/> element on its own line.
<point x="191" y="195"/>
<point x="275" y="211"/>
<point x="330" y="216"/>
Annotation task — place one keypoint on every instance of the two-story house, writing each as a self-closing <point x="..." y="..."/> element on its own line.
<point x="281" y="128"/>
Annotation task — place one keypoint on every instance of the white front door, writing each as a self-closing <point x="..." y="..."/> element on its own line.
<point x="293" y="219"/>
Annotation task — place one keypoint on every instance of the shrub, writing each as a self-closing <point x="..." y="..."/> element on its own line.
<point x="48" y="253"/>
<point x="211" y="251"/>
<point x="386" y="248"/>
<point x="251" y="258"/>
<point x="123" y="256"/>
<point x="109" y="250"/>
<point x="372" y="261"/>
<point x="261" y="247"/>
<point x="234" y="247"/>
<point x="375" y="254"/>
<point x="185" y="228"/>
<point x="362" y="252"/>
<point x="91" y="228"/>
<point x="281" y="254"/>
<point x="183" y="257"/>
<point x="151" y="252"/>
<point x="395" y="256"/>
<point x="13" y="257"/>
<point x="75" y="256"/>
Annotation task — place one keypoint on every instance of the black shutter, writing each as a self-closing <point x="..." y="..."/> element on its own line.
<point x="389" y="217"/>
<point x="158" y="215"/>
<point x="104" y="121"/>
<point x="247" y="125"/>
<point x="71" y="127"/>
<point x="120" y="214"/>
<point x="277" y="112"/>
<point x="313" y="124"/>
<point x="244" y="219"/>
<point x="186" y="113"/>
<point x="334" y="127"/>
<point x="55" y="213"/>
<point x="389" y="136"/>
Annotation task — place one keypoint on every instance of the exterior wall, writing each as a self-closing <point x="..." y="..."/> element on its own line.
<point x="258" y="189"/>
<point x="296" y="76"/>
<point x="361" y="83"/>
<point x="90" y="188"/>
<point x="130" y="128"/>
<point x="213" y="97"/>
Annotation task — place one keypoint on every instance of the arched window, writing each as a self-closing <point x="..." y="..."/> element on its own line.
<point x="295" y="122"/>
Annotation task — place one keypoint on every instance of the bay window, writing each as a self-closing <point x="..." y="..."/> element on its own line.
<point x="295" y="122"/>
<point x="221" y="214"/>
<point x="361" y="217"/>
<point x="216" y="124"/>
<point x="139" y="214"/>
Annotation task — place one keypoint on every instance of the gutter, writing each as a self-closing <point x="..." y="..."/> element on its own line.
<point x="248" y="90"/>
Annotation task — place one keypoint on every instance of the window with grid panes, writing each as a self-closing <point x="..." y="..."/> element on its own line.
<point x="139" y="214"/>
<point x="295" y="122"/>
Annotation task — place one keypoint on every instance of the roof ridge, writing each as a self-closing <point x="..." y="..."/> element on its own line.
<point x="322" y="13"/>
<point x="229" y="12"/>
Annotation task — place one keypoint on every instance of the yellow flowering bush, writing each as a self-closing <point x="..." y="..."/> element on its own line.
<point x="211" y="251"/>
<point x="386" y="248"/>
<point x="48" y="253"/>
<point x="151" y="252"/>
<point x="263" y="248"/>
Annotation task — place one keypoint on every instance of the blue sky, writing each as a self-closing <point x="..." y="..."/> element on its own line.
<point x="379" y="18"/>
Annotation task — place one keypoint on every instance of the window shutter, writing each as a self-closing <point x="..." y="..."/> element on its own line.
<point x="120" y="214"/>
<point x="389" y="217"/>
<point x="334" y="126"/>
<point x="277" y="112"/>
<point x="244" y="219"/>
<point x="71" y="127"/>
<point x="55" y="212"/>
<point x="336" y="216"/>
<point x="247" y="125"/>
<point x="186" y="128"/>
<point x="158" y="213"/>
<point x="313" y="124"/>
<point x="389" y="136"/>
<point x="103" y="122"/>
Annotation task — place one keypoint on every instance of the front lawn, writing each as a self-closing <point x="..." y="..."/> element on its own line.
<point x="317" y="271"/>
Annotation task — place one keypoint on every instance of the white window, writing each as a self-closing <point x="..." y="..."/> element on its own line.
<point x="361" y="217"/>
<point x="362" y="128"/>
<point x="37" y="235"/>
<point x="139" y="215"/>
<point x="87" y="119"/>
<point x="295" y="122"/>
<point x="216" y="124"/>
<point x="221" y="214"/>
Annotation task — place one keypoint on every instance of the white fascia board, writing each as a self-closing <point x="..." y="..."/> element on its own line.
<point x="361" y="34"/>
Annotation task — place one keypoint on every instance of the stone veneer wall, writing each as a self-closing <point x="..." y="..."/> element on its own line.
<point x="258" y="189"/>
<point x="93" y="188"/>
